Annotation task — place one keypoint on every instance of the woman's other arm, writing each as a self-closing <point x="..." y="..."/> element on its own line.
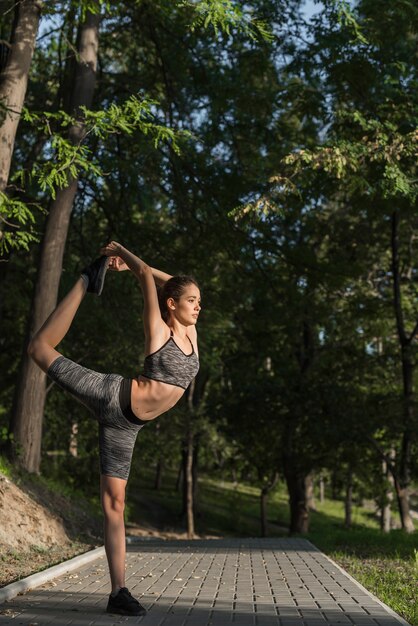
<point x="160" y="277"/>
<point x="118" y="264"/>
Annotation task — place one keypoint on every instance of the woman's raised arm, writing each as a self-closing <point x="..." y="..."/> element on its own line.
<point x="153" y="322"/>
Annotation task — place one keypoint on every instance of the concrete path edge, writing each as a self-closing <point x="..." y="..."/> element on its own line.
<point x="366" y="591"/>
<point x="35" y="580"/>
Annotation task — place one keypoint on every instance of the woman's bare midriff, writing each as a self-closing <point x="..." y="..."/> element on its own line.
<point x="150" y="398"/>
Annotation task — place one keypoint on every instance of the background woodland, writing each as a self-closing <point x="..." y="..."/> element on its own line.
<point x="274" y="158"/>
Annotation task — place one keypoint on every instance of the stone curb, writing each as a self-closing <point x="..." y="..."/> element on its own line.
<point x="35" y="580"/>
<point x="393" y="614"/>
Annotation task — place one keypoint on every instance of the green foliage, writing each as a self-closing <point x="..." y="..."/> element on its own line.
<point x="5" y="467"/>
<point x="65" y="159"/>
<point x="226" y="16"/>
<point x="383" y="147"/>
<point x="12" y="236"/>
<point x="69" y="162"/>
<point x="347" y="19"/>
<point x="71" y="159"/>
<point x="84" y="6"/>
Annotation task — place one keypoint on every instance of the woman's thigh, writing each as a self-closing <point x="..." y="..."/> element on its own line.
<point x="84" y="384"/>
<point x="116" y="445"/>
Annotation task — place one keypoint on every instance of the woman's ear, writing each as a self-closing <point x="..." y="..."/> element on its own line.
<point x="171" y="304"/>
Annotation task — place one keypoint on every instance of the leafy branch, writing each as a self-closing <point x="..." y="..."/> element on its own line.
<point x="345" y="16"/>
<point x="67" y="159"/>
<point x="225" y="15"/>
<point x="382" y="145"/>
<point x="381" y="160"/>
<point x="13" y="214"/>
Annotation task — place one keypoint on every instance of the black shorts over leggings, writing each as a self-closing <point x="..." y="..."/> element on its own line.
<point x="100" y="393"/>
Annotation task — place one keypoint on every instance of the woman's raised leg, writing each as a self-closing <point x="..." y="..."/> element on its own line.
<point x="42" y="346"/>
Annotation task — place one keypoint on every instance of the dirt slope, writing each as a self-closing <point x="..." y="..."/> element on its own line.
<point x="39" y="528"/>
<point x="24" y="522"/>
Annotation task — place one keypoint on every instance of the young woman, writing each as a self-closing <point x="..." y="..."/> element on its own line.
<point x="122" y="406"/>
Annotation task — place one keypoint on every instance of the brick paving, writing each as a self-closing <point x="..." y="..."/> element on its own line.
<point x="257" y="582"/>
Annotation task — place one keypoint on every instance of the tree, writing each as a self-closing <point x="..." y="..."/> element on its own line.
<point x="13" y="83"/>
<point x="26" y="420"/>
<point x="14" y="78"/>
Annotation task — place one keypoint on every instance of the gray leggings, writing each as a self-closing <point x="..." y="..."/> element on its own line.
<point x="100" y="394"/>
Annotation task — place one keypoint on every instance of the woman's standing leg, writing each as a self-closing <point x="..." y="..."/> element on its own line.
<point x="113" y="502"/>
<point x="112" y="491"/>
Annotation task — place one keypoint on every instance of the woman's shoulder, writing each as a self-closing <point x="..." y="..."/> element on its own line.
<point x="192" y="332"/>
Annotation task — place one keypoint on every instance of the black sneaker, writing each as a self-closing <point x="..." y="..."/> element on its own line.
<point x="124" y="604"/>
<point x="96" y="273"/>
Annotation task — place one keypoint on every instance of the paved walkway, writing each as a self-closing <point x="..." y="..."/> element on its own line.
<point x="257" y="582"/>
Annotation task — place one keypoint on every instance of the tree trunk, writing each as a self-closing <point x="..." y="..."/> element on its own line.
<point x="335" y="488"/>
<point x="265" y="490"/>
<point x="189" y="470"/>
<point x="195" y="468"/>
<point x="14" y="79"/>
<point x="402" y="495"/>
<point x="189" y="486"/>
<point x="298" y="500"/>
<point x="26" y="421"/>
<point x="184" y="480"/>
<point x="387" y="497"/>
<point x="348" y="501"/>
<point x="310" y="493"/>
<point x="402" y="477"/>
<point x="321" y="489"/>
<point x="179" y="480"/>
<point x="263" y="511"/>
<point x="159" y="474"/>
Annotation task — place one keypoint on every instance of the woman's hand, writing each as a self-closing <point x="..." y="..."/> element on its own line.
<point x="117" y="264"/>
<point x="112" y="249"/>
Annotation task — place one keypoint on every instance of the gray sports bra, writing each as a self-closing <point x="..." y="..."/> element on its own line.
<point x="171" y="365"/>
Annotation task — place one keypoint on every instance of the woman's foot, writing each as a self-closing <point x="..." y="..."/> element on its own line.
<point x="94" y="274"/>
<point x="123" y="603"/>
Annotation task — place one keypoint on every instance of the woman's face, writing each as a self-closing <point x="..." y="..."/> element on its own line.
<point x="187" y="308"/>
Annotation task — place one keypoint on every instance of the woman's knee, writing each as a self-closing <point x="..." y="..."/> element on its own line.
<point x="38" y="348"/>
<point x="113" y="500"/>
<point x="41" y="352"/>
<point x="34" y="347"/>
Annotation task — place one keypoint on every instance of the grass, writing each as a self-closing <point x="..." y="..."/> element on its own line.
<point x="5" y="468"/>
<point x="386" y="564"/>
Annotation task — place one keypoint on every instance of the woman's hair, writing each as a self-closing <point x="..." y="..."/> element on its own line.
<point x="173" y="288"/>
